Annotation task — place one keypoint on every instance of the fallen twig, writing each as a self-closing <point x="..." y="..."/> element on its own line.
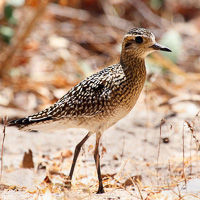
<point x="4" y="134"/>
<point x="184" y="155"/>
<point x="161" y="123"/>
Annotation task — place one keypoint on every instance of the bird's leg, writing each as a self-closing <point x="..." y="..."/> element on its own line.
<point x="97" y="162"/>
<point x="76" y="153"/>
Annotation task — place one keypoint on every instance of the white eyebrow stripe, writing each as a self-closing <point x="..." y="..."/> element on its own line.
<point x="130" y="35"/>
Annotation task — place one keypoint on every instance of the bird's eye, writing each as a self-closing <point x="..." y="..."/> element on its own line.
<point x="139" y="39"/>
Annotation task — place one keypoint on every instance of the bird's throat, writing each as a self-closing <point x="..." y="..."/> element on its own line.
<point x="133" y="65"/>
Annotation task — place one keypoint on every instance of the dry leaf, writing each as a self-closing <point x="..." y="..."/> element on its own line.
<point x="28" y="160"/>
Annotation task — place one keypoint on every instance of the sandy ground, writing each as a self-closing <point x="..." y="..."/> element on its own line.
<point x="132" y="149"/>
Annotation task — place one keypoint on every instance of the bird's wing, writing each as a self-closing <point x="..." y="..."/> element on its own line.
<point x="86" y="99"/>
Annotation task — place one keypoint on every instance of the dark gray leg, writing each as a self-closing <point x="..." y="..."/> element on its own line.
<point x="76" y="153"/>
<point x="97" y="162"/>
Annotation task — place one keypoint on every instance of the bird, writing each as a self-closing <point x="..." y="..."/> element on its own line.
<point x="100" y="100"/>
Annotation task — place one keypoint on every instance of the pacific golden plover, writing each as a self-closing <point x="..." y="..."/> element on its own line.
<point x="102" y="99"/>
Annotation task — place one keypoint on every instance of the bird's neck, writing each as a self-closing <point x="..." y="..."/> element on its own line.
<point x="133" y="65"/>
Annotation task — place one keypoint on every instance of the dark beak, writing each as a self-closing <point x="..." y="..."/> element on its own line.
<point x="160" y="47"/>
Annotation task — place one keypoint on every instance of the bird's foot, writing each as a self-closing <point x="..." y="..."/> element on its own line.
<point x="68" y="183"/>
<point x="100" y="190"/>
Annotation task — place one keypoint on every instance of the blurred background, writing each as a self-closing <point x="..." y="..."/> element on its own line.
<point x="46" y="47"/>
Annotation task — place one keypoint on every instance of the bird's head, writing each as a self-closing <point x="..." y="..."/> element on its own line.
<point x="141" y="42"/>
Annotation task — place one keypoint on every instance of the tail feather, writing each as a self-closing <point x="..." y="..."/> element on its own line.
<point x="26" y="121"/>
<point x="21" y="121"/>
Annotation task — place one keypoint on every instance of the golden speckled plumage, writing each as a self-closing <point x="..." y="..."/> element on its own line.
<point x="102" y="99"/>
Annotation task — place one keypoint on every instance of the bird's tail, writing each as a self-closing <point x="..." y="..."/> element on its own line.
<point x="34" y="121"/>
<point x="18" y="122"/>
<point x="26" y="121"/>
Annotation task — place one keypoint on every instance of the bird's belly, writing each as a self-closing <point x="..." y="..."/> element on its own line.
<point x="103" y="121"/>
